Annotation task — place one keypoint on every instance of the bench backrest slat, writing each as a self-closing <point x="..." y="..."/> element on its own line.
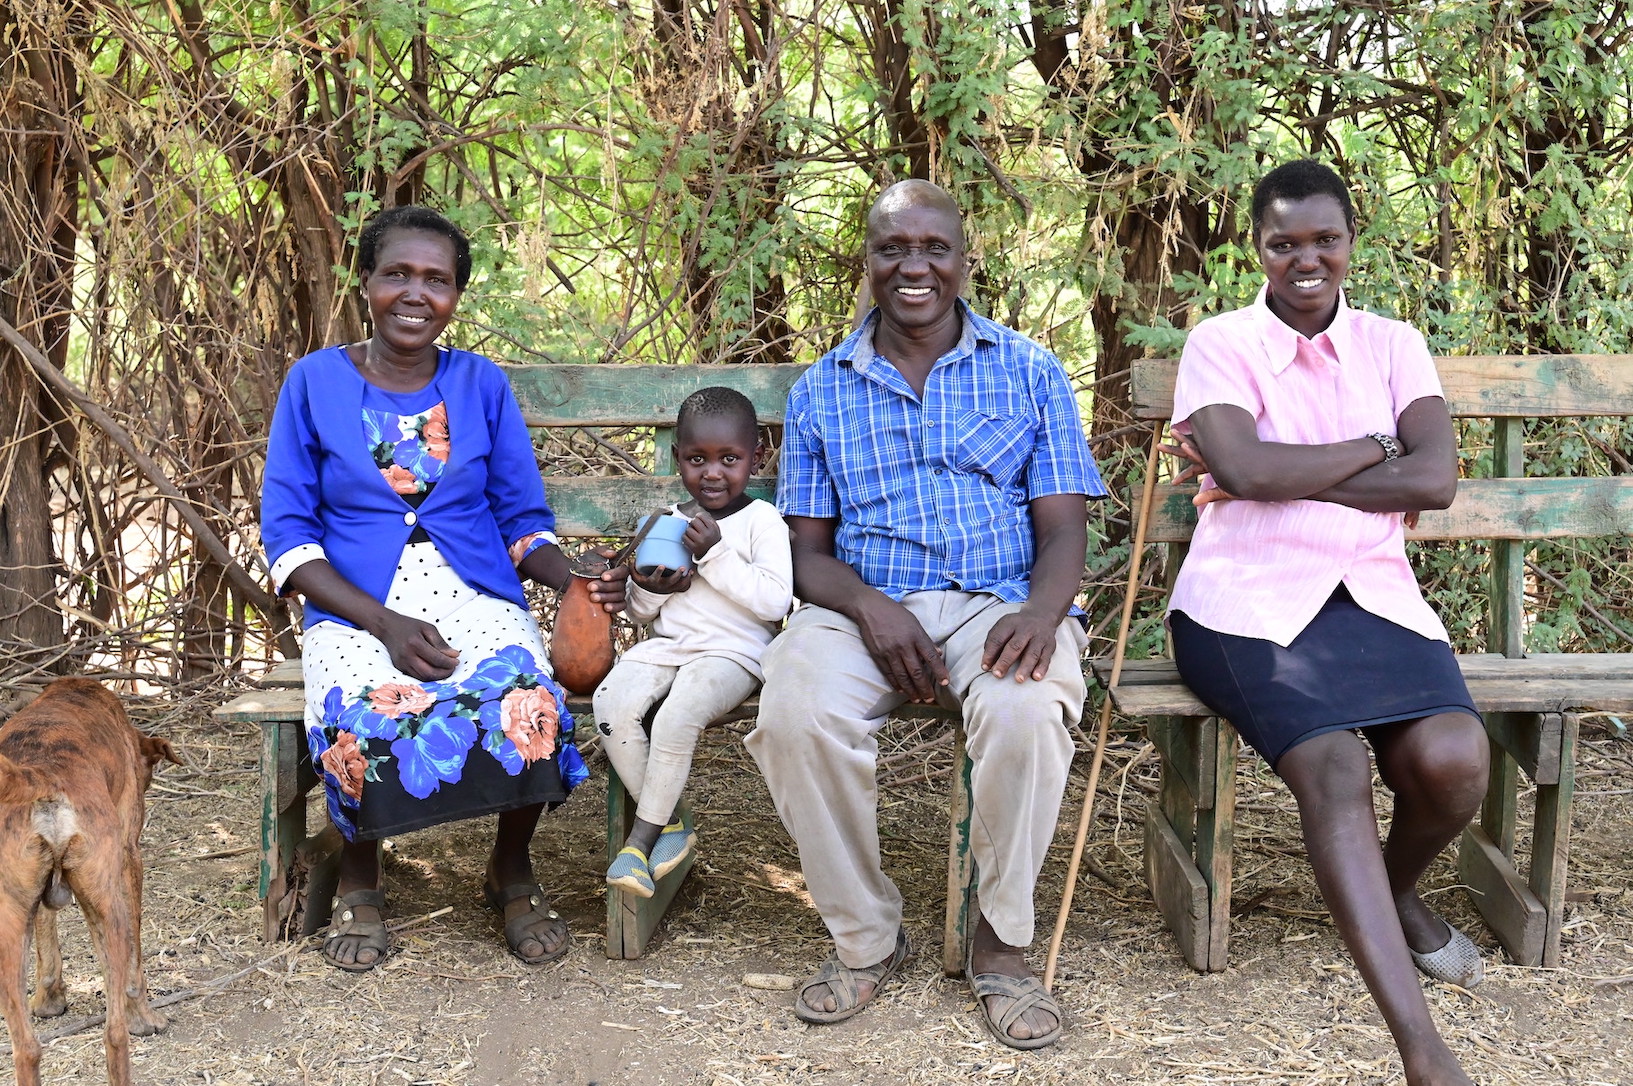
<point x="1476" y="386"/>
<point x="1484" y="509"/>
<point x="594" y="505"/>
<point x="618" y="395"/>
<point x="561" y="396"/>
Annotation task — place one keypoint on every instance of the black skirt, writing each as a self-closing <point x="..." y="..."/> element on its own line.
<point x="1348" y="669"/>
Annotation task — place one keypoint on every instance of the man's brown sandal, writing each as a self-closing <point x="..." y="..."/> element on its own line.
<point x="1024" y="994"/>
<point x="841" y="980"/>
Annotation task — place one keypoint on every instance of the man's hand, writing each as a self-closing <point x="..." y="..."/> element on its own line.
<point x="1020" y="640"/>
<point x="701" y="535"/>
<point x="904" y="652"/>
<point x="416" y="647"/>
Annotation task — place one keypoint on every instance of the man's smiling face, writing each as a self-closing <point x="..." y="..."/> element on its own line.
<point x="916" y="265"/>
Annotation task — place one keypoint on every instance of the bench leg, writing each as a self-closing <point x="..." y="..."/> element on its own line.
<point x="283" y="822"/>
<point x="631" y="920"/>
<point x="1551" y="840"/>
<point x="1526" y="914"/>
<point x="1190" y="831"/>
<point x="961" y="879"/>
<point x="298" y="873"/>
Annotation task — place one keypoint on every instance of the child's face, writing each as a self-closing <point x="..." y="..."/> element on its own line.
<point x="716" y="456"/>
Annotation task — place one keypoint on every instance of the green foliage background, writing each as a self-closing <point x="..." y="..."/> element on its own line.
<point x="683" y="181"/>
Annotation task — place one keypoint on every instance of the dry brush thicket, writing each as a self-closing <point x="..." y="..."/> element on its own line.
<point x="684" y="181"/>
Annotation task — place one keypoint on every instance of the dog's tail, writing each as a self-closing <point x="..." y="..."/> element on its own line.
<point x="157" y="749"/>
<point x="21" y="783"/>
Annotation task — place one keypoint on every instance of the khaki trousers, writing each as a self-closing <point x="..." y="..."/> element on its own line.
<point x="824" y="700"/>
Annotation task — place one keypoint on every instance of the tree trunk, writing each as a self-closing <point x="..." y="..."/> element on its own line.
<point x="38" y="183"/>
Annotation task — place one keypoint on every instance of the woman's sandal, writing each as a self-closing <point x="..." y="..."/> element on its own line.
<point x="841" y="981"/>
<point x="1459" y="962"/>
<point x="518" y="928"/>
<point x="1024" y="994"/>
<point x="371" y="933"/>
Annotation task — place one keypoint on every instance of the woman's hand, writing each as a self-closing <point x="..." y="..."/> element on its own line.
<point x="609" y="587"/>
<point x="701" y="534"/>
<point x="1186" y="448"/>
<point x="416" y="647"/>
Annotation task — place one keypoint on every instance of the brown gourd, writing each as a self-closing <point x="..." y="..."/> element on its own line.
<point x="581" y="649"/>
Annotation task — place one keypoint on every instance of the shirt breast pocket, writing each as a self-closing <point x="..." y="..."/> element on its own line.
<point x="997" y="446"/>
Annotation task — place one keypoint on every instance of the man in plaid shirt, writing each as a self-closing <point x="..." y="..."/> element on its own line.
<point x="934" y="474"/>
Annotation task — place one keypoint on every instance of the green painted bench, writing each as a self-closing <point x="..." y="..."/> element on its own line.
<point x="297" y="871"/>
<point x="1531" y="702"/>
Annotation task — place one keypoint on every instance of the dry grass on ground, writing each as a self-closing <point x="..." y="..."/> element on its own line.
<point x="450" y="1007"/>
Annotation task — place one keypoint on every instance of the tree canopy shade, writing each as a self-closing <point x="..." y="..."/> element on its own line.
<point x="685" y="182"/>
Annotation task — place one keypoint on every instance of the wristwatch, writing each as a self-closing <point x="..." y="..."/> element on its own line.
<point x="1392" y="448"/>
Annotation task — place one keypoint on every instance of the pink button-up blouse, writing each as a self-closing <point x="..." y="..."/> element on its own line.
<point x="1264" y="569"/>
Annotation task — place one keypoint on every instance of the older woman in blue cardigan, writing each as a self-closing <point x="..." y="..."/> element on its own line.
<point x="403" y="502"/>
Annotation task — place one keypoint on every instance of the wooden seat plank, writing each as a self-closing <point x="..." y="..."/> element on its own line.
<point x="597" y="395"/>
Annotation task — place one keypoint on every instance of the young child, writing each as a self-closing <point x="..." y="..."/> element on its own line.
<point x="709" y="625"/>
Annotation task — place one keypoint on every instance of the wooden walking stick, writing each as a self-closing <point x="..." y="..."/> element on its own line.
<point x="1105" y="709"/>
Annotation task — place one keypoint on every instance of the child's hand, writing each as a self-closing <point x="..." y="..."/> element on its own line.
<point x="702" y="534"/>
<point x="663" y="581"/>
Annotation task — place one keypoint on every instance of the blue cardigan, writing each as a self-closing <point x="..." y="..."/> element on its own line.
<point x="322" y="486"/>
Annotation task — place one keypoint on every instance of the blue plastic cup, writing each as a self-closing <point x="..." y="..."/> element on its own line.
<point x="662" y="548"/>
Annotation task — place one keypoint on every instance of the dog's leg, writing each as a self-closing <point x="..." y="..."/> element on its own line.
<point x="25" y="1047"/>
<point x="144" y="1019"/>
<point x="99" y="885"/>
<point x="50" y="996"/>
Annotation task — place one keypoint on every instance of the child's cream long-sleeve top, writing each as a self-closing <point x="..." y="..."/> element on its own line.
<point x="740" y="592"/>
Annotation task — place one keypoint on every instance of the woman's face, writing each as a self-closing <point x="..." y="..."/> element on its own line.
<point x="1304" y="248"/>
<point x="411" y="291"/>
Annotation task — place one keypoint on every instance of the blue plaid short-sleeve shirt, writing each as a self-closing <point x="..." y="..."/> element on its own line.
<point x="932" y="492"/>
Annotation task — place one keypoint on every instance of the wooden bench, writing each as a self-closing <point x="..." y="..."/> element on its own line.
<point x="297" y="871"/>
<point x="1531" y="702"/>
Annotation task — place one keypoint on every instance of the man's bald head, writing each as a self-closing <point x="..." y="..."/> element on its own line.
<point x="914" y="192"/>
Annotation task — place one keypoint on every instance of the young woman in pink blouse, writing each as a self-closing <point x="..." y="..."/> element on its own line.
<point x="1321" y="430"/>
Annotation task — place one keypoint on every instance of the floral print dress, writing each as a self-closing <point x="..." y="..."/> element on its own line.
<point x="397" y="753"/>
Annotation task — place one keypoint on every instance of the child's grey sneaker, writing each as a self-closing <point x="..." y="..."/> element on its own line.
<point x="674" y="844"/>
<point x="629" y="872"/>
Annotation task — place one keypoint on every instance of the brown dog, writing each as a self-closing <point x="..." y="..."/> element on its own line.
<point x="72" y="775"/>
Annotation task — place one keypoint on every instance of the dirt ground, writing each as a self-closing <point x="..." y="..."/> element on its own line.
<point x="451" y="1007"/>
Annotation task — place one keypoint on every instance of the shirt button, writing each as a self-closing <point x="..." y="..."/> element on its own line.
<point x="938" y="471"/>
<point x="409" y="518"/>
